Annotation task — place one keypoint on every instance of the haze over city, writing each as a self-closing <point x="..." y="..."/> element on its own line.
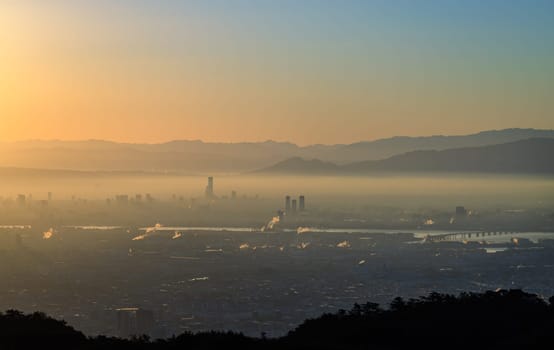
<point x="276" y="174"/>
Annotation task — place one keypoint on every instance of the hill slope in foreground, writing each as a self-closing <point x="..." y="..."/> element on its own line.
<point x="501" y="319"/>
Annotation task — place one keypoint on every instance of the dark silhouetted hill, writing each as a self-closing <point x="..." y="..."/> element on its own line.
<point x="34" y="331"/>
<point x="533" y="156"/>
<point x="385" y="148"/>
<point x="503" y="319"/>
<point x="496" y="320"/>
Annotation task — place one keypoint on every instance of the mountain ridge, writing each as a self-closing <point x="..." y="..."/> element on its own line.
<point x="531" y="156"/>
<point x="200" y="156"/>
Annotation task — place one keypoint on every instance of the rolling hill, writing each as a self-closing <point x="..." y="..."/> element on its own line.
<point x="532" y="156"/>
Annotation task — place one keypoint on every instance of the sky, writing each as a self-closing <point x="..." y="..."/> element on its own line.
<point x="305" y="71"/>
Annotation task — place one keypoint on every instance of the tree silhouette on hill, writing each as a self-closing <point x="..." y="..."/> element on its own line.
<point x="506" y="319"/>
<point x="511" y="319"/>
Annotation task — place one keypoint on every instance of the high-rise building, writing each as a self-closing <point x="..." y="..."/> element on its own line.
<point x="287" y="203"/>
<point x="21" y="199"/>
<point x="132" y="321"/>
<point x="50" y="196"/>
<point x="210" y="187"/>
<point x="302" y="203"/>
<point x="233" y="194"/>
<point x="294" y="205"/>
<point x="461" y="211"/>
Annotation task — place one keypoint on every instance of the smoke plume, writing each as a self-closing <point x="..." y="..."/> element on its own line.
<point x="48" y="234"/>
<point x="343" y="244"/>
<point x="271" y="224"/>
<point x="149" y="231"/>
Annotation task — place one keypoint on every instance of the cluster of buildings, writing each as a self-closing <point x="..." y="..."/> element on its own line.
<point x="133" y="321"/>
<point x="293" y="205"/>
<point x="125" y="199"/>
<point x="210" y="193"/>
<point x="22" y="200"/>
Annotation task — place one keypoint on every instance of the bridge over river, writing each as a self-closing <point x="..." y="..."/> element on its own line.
<point x="463" y="236"/>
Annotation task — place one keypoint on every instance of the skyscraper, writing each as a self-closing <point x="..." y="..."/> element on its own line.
<point x="21" y="199"/>
<point x="287" y="203"/>
<point x="294" y="206"/>
<point x="302" y="203"/>
<point x="210" y="187"/>
<point x="461" y="211"/>
<point x="132" y="321"/>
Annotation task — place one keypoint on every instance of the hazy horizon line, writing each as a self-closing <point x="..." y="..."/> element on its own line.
<point x="264" y="141"/>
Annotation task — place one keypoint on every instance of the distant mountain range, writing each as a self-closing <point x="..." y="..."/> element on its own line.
<point x="532" y="156"/>
<point x="202" y="157"/>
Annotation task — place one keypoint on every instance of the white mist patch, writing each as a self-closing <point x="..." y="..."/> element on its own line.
<point x="15" y="227"/>
<point x="48" y="234"/>
<point x="149" y="232"/>
<point x="244" y="246"/>
<point x="300" y="230"/>
<point x="154" y="228"/>
<point x="95" y="228"/>
<point x="343" y="244"/>
<point x="429" y="222"/>
<point x="196" y="279"/>
<point x="271" y="224"/>
<point x="212" y="250"/>
<point x="177" y="235"/>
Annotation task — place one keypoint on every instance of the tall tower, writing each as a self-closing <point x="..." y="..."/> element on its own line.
<point x="302" y="203"/>
<point x="210" y="187"/>
<point x="294" y="206"/>
<point x="287" y="203"/>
